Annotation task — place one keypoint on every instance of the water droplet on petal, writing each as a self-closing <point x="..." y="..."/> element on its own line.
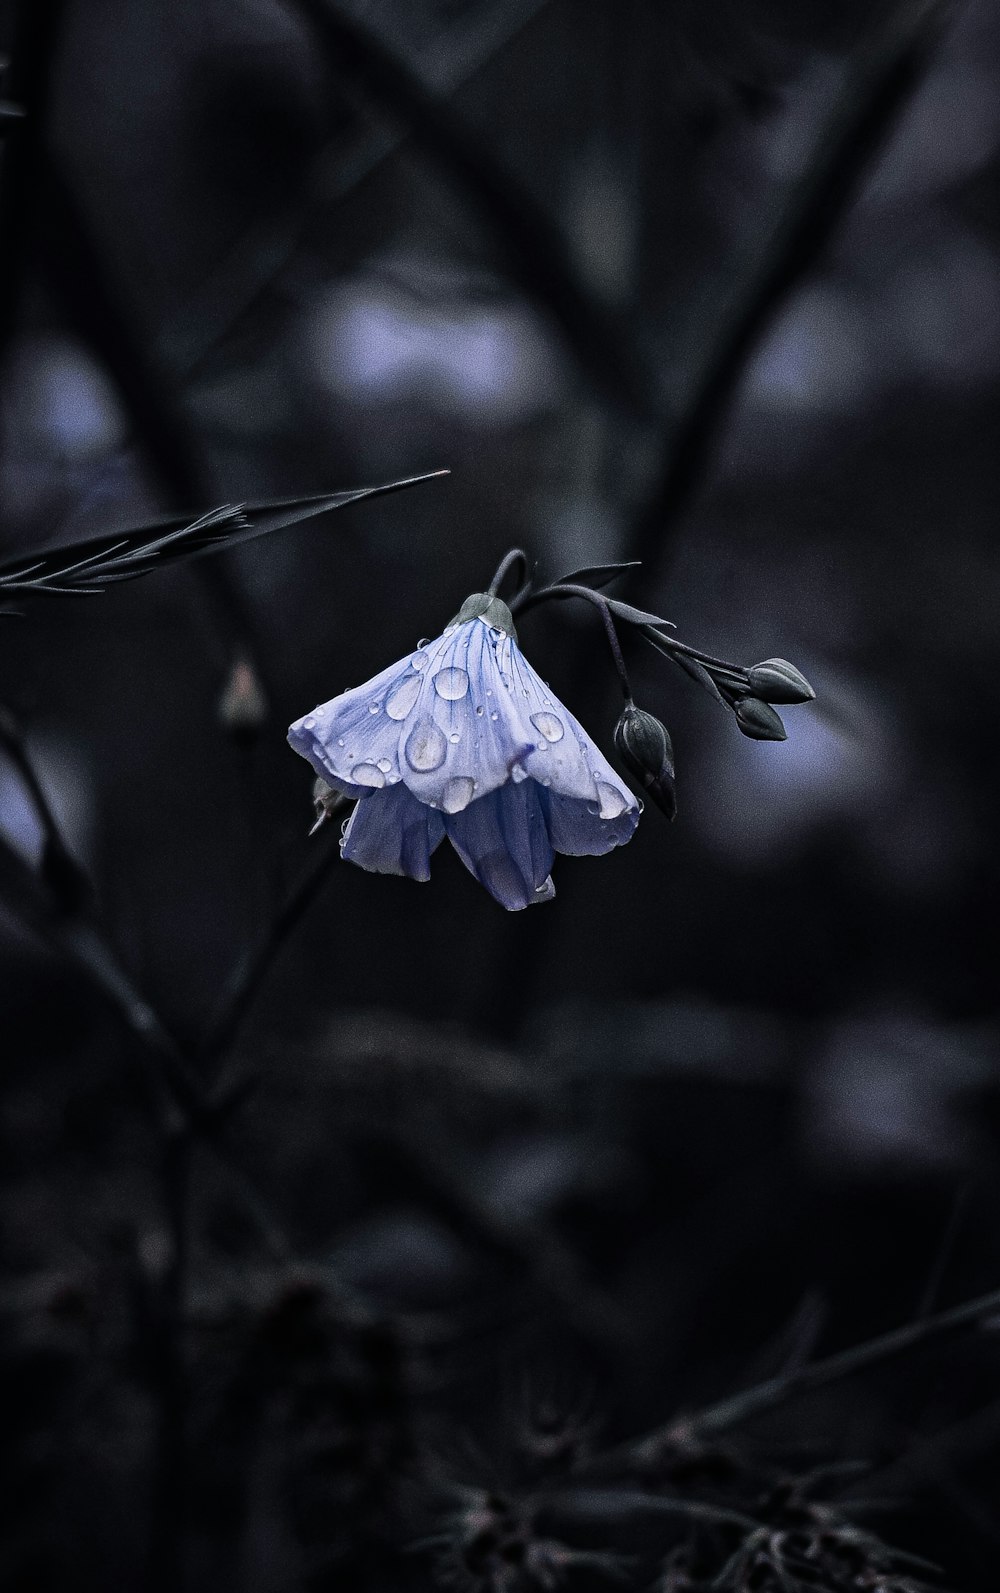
<point x="309" y="722"/>
<point x="384" y="765"/>
<point x="373" y="707"/>
<point x="479" y="711"/>
<point x="425" y="746"/>
<point x="494" y="716"/>
<point x="613" y="801"/>
<point x="457" y="794"/>
<point x="419" y="660"/>
<point x="403" y="696"/>
<point x="489" y="691"/>
<point x="368" y="774"/>
<point x="451" y="684"/>
<point x="454" y="738"/>
<point x="340" y="741"/>
<point x="550" y="725"/>
<point x="518" y="773"/>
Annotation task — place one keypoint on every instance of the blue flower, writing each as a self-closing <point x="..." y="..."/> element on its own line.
<point x="464" y="740"/>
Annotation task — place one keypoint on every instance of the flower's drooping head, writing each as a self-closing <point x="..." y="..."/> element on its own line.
<point x="463" y="739"/>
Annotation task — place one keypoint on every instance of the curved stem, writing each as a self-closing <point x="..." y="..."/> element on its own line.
<point x="666" y="643"/>
<point x="568" y="589"/>
<point x="516" y="557"/>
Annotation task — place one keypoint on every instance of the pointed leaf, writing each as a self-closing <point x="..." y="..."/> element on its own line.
<point x="635" y="616"/>
<point x="91" y="565"/>
<point x="597" y="575"/>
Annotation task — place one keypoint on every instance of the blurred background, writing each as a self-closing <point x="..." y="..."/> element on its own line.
<point x="711" y="285"/>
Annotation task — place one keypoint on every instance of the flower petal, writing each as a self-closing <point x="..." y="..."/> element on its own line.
<point x="358" y="732"/>
<point x="589" y="828"/>
<point x="502" y="839"/>
<point x="390" y="832"/>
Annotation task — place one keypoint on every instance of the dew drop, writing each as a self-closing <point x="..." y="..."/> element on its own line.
<point x="613" y="802"/>
<point x="425" y="746"/>
<point x="309" y="722"/>
<point x="550" y="725"/>
<point x="403" y="696"/>
<point x="457" y="794"/>
<point x="454" y="738"/>
<point x="479" y="711"/>
<point x="518" y="773"/>
<point x="368" y="774"/>
<point x="418" y="661"/>
<point x="451" y="684"/>
<point x="384" y="765"/>
<point x="373" y="707"/>
<point x="340" y="741"/>
<point x="494" y="716"/>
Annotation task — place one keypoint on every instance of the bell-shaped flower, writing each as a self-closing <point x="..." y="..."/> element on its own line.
<point x="463" y="739"/>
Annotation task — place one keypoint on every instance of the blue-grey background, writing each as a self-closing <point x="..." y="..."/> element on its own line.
<point x="740" y="1075"/>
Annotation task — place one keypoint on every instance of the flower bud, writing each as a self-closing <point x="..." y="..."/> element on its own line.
<point x="776" y="680"/>
<point x="646" y="750"/>
<point x="758" y="720"/>
<point x="243" y="706"/>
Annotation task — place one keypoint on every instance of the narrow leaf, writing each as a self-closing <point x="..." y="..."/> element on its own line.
<point x="91" y="565"/>
<point x="598" y="575"/>
<point x="635" y="616"/>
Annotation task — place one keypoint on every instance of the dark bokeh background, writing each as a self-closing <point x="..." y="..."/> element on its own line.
<point x="732" y="1100"/>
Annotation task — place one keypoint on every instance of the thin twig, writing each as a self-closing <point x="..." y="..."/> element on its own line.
<point x="713" y="1420"/>
<point x="887" y="68"/>
<point x="251" y="973"/>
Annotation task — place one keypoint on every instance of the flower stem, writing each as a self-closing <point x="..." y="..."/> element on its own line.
<point x="516" y="557"/>
<point x="568" y="589"/>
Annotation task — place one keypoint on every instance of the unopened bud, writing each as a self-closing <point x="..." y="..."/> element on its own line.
<point x="776" y="680"/>
<point x="243" y="706"/>
<point x="646" y="750"/>
<point x="326" y="802"/>
<point x="758" y="720"/>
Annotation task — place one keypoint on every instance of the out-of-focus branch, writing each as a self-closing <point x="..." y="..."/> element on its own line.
<point x="239" y="284"/>
<point x="889" y="65"/>
<point x="535" y="250"/>
<point x="249" y="976"/>
<point x="32" y="63"/>
<point x="714" y="1420"/>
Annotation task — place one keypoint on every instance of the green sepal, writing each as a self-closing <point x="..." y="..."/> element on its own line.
<point x="482" y="605"/>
